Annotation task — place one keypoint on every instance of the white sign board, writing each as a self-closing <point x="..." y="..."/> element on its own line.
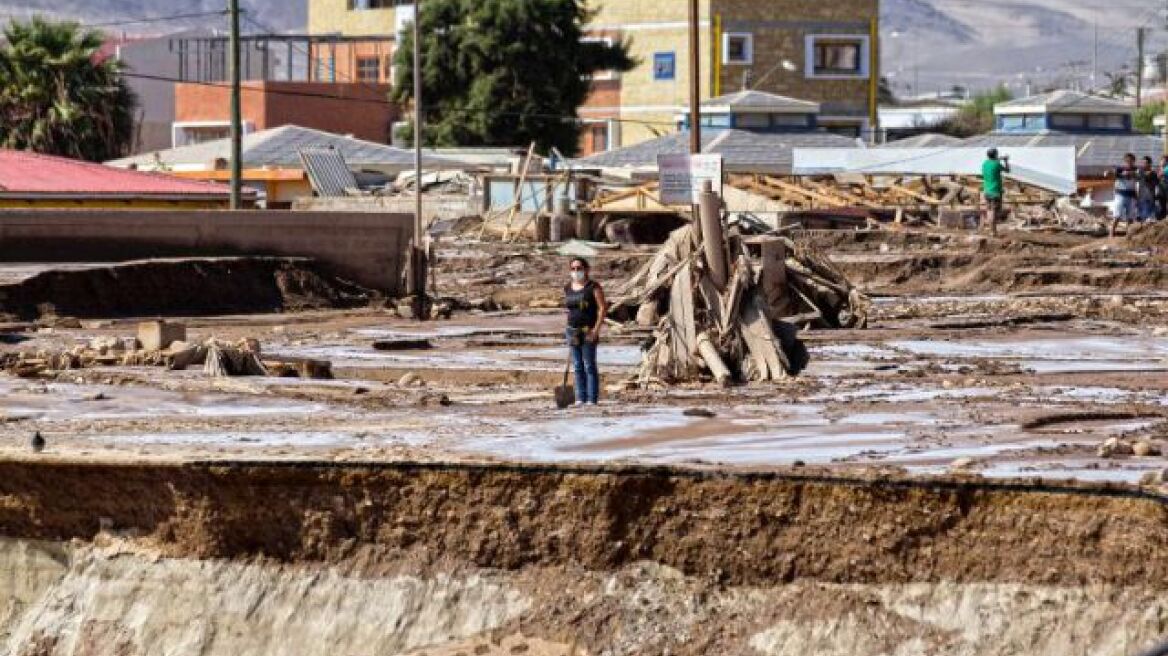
<point x="1048" y="167"/>
<point x="682" y="177"/>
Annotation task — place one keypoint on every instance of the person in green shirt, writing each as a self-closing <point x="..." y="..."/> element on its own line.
<point x="992" y="187"/>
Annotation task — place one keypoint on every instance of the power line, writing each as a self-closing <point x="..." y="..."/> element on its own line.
<point x="158" y="19"/>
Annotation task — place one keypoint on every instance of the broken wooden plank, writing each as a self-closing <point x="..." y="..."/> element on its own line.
<point x="681" y="311"/>
<point x="767" y="352"/>
<point x="713" y="360"/>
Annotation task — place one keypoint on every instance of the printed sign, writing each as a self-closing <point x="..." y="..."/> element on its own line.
<point x="682" y="177"/>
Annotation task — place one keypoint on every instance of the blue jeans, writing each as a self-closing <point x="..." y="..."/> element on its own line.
<point x="1148" y="209"/>
<point x="584" y="363"/>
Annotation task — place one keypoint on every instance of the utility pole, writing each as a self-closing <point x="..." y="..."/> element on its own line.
<point x="695" y="84"/>
<point x="418" y="265"/>
<point x="236" y="111"/>
<point x="1140" y="31"/>
<point x="1095" y="57"/>
<point x="1164" y="88"/>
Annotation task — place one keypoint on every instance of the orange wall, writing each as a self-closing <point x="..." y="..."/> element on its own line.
<point x="361" y="110"/>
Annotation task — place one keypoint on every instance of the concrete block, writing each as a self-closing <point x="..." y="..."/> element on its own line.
<point x="158" y="335"/>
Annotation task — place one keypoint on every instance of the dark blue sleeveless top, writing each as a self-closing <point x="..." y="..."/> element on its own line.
<point x="583" y="310"/>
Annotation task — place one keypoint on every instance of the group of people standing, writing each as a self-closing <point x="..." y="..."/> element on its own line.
<point x="1141" y="191"/>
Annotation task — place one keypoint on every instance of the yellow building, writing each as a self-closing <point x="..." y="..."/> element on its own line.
<point x="825" y="52"/>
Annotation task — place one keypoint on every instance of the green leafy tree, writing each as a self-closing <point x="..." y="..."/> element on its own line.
<point x="59" y="96"/>
<point x="1145" y="117"/>
<point x="976" y="116"/>
<point x="505" y="72"/>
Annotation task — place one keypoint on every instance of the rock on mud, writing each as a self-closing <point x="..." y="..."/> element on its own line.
<point x="1115" y="447"/>
<point x="411" y="379"/>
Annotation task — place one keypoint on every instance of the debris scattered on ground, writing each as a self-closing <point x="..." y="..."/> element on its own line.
<point x="728" y="305"/>
<point x="217" y="358"/>
<point x="159" y="335"/>
<point x="411" y="379"/>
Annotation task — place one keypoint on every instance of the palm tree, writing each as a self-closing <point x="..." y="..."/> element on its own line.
<point x="60" y="96"/>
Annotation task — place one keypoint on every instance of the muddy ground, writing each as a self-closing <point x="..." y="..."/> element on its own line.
<point x="953" y="446"/>
<point x="1008" y="383"/>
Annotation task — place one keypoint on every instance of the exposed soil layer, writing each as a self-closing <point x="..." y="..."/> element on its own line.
<point x="738" y="528"/>
<point x="115" y="598"/>
<point x="185" y="287"/>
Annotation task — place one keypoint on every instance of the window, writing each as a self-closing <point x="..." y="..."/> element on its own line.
<point x="598" y="133"/>
<point x="326" y="69"/>
<point x="664" y="66"/>
<point x="368" y="69"/>
<point x="738" y="48"/>
<point x="837" y="56"/>
<point x="1068" y="121"/>
<point x="752" y="121"/>
<point x="1107" y="122"/>
<point x="791" y="120"/>
<point x="1022" y="123"/>
<point x="361" y="5"/>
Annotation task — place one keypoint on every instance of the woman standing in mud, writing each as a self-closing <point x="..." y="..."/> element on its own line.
<point x="584" y="300"/>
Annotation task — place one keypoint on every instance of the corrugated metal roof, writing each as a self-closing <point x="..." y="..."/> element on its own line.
<point x="280" y="148"/>
<point x="328" y="172"/>
<point x="1063" y="100"/>
<point x="743" y="151"/>
<point x="31" y="174"/>
<point x="761" y="100"/>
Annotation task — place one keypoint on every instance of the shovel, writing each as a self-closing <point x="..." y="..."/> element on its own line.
<point x="565" y="394"/>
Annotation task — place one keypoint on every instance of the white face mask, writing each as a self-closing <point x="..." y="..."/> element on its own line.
<point x="579" y="276"/>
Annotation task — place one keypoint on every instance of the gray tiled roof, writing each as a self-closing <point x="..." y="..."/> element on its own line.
<point x="1063" y="100"/>
<point x="1097" y="152"/>
<point x="743" y="151"/>
<point x="280" y="147"/>
<point x="923" y="141"/>
<point x="761" y="100"/>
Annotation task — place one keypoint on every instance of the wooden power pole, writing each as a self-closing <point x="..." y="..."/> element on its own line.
<point x="1140" y="32"/>
<point x="236" y="111"/>
<point x="695" y="84"/>
<point x="417" y="261"/>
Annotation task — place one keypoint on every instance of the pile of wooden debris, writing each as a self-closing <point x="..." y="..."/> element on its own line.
<point x="728" y="305"/>
<point x="218" y="359"/>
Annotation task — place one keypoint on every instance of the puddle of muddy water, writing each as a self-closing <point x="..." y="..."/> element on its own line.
<point x="65" y="402"/>
<point x="541" y="359"/>
<point x="1125" y="348"/>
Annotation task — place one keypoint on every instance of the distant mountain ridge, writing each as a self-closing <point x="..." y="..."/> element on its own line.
<point x="930" y="44"/>
<point x="282" y="15"/>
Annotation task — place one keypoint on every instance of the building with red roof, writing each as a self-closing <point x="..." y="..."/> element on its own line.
<point x="43" y="181"/>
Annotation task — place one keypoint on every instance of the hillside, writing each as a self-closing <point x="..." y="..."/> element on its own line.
<point x="279" y="14"/>
<point x="940" y="42"/>
<point x="1043" y="42"/>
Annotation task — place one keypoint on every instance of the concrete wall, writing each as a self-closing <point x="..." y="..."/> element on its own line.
<point x="367" y="248"/>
